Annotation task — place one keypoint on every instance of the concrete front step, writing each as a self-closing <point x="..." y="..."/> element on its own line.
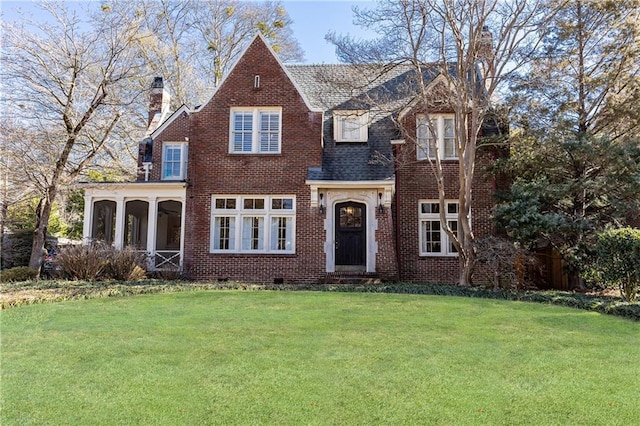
<point x="352" y="278"/>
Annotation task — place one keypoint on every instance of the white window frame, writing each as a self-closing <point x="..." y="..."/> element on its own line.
<point x="184" y="150"/>
<point x="243" y="211"/>
<point x="424" y="217"/>
<point x="358" y="119"/>
<point x="446" y="145"/>
<point x="256" y="131"/>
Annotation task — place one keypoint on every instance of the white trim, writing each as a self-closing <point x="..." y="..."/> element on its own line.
<point x="266" y="214"/>
<point x="177" y="113"/>
<point x="256" y="113"/>
<point x="386" y="188"/>
<point x="184" y="150"/>
<point x="369" y="197"/>
<point x="361" y="121"/>
<point x="445" y="241"/>
<point x="112" y="188"/>
<point x="438" y="124"/>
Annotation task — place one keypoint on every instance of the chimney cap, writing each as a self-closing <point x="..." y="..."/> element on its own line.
<point x="157" y="83"/>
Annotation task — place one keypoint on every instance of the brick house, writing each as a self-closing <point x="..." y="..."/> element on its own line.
<point x="289" y="174"/>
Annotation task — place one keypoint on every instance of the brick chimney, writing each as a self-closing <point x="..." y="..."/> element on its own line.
<point x="485" y="48"/>
<point x="158" y="100"/>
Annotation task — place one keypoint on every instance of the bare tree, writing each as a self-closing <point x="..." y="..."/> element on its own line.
<point x="226" y="27"/>
<point x="191" y="44"/>
<point x="475" y="46"/>
<point x="15" y="186"/>
<point x="67" y="80"/>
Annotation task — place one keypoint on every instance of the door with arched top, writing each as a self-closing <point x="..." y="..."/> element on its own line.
<point x="350" y="236"/>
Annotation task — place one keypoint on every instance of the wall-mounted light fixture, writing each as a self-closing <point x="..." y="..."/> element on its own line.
<point x="321" y="206"/>
<point x="380" y="205"/>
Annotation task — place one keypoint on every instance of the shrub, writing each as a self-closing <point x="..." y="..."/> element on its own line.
<point x="126" y="265"/>
<point x="19" y="273"/>
<point x="617" y="262"/>
<point x="16" y="249"/>
<point x="84" y="262"/>
<point x="101" y="262"/>
<point x="503" y="263"/>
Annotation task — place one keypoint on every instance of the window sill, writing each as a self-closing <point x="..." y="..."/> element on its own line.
<point x="257" y="154"/>
<point x="250" y="254"/>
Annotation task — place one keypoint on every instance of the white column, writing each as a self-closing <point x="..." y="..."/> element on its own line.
<point x="182" y="230"/>
<point x="119" y="236"/>
<point x="88" y="218"/>
<point x="152" y="228"/>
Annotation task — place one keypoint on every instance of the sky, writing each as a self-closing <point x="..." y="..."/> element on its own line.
<point x="312" y="19"/>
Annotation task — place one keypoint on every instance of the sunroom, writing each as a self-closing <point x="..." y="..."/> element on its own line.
<point x="147" y="216"/>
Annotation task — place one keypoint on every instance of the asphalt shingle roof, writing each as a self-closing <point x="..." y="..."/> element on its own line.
<point x="354" y="87"/>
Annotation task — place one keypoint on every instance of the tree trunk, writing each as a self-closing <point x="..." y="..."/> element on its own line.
<point x="467" y="264"/>
<point x="40" y="231"/>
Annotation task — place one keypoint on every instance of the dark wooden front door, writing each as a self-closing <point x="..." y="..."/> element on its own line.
<point x="351" y="241"/>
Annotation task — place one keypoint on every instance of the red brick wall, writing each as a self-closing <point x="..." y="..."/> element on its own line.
<point x="386" y="258"/>
<point x="415" y="181"/>
<point x="212" y="170"/>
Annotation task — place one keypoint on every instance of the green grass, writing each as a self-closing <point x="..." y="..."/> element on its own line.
<point x="232" y="357"/>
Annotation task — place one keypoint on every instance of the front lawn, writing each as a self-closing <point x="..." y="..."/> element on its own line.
<point x="231" y="357"/>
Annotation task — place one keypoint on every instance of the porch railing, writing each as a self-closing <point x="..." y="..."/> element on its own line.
<point x="167" y="259"/>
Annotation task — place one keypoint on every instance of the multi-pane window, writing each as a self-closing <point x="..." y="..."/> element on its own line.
<point x="224" y="233"/>
<point x="242" y="131"/>
<point x="439" y="132"/>
<point x="269" y="131"/>
<point x="255" y="130"/>
<point x="256" y="224"/>
<point x="350" y="126"/>
<point x="434" y="241"/>
<point x="174" y="160"/>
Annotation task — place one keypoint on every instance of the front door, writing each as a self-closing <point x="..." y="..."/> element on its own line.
<point x="351" y="238"/>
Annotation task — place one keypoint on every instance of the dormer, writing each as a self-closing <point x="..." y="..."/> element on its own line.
<point x="351" y="125"/>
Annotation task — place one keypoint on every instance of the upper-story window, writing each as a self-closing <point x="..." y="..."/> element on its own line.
<point x="434" y="240"/>
<point x="441" y="133"/>
<point x="256" y="130"/>
<point x="174" y="160"/>
<point x="351" y="126"/>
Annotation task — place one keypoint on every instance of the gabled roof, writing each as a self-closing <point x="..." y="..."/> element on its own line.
<point x="177" y="113"/>
<point x="260" y="37"/>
